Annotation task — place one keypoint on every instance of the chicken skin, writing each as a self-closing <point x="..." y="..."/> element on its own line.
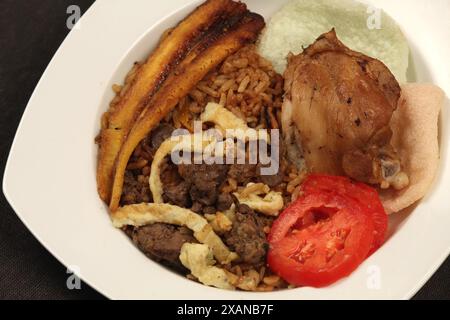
<point x="342" y="102"/>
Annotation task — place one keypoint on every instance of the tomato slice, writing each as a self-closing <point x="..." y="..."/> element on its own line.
<point x="364" y="194"/>
<point x="319" y="238"/>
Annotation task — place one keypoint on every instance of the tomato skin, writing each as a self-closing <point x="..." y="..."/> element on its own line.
<point x="304" y="257"/>
<point x="364" y="194"/>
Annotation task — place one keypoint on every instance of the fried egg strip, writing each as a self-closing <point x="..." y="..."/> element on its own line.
<point x="184" y="143"/>
<point x="223" y="119"/>
<point x="270" y="204"/>
<point x="147" y="213"/>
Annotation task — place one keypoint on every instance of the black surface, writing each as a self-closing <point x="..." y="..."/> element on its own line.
<point x="30" y="33"/>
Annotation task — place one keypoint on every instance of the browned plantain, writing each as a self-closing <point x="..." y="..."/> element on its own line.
<point x="151" y="75"/>
<point x="188" y="74"/>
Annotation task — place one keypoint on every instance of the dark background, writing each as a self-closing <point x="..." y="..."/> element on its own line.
<point x="30" y="33"/>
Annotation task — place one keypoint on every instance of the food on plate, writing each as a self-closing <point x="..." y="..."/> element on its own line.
<point x="342" y="103"/>
<point x="166" y="148"/>
<point x="190" y="35"/>
<point x="241" y="93"/>
<point x="223" y="120"/>
<point x="199" y="260"/>
<point x="220" y="222"/>
<point x="327" y="232"/>
<point x="415" y="137"/>
<point x="344" y="145"/>
<point x="230" y="38"/>
<point x="147" y="213"/>
<point x="162" y="242"/>
<point x="362" y="28"/>
<point x="259" y="197"/>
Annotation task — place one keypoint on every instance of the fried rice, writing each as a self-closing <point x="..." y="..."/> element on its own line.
<point x="248" y="86"/>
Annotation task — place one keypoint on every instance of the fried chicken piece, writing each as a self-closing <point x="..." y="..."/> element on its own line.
<point x="342" y="102"/>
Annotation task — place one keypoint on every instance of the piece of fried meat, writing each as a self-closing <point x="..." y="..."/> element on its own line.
<point x="342" y="103"/>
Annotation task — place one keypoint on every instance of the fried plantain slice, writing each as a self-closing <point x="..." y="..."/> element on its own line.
<point x="179" y="84"/>
<point x="173" y="49"/>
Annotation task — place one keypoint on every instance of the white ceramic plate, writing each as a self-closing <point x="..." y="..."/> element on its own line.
<point x="50" y="175"/>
